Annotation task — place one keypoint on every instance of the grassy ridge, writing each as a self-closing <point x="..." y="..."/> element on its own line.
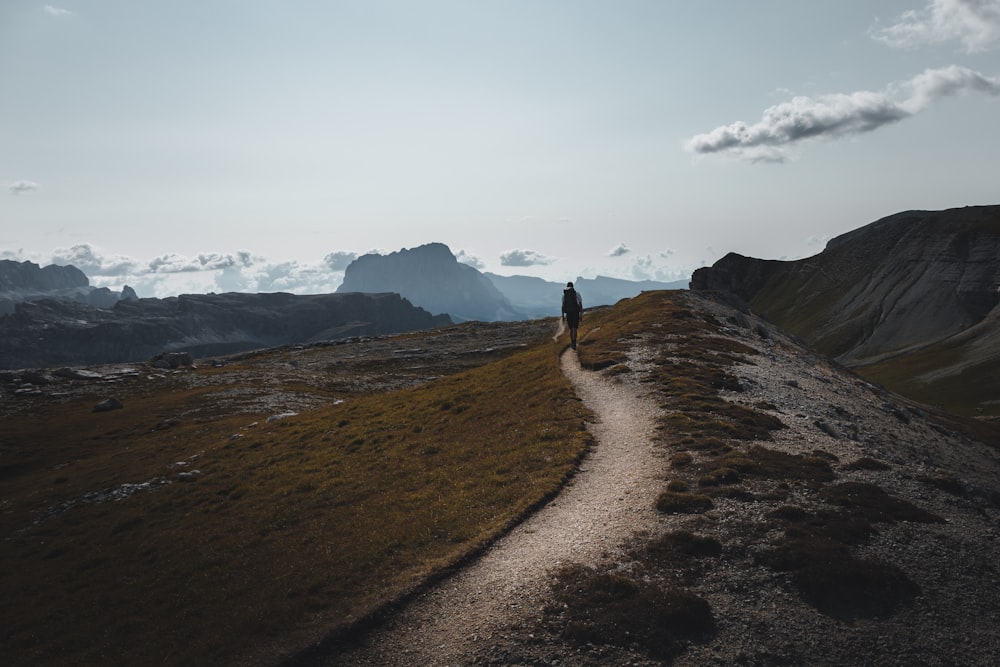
<point x="279" y="536"/>
<point x="968" y="393"/>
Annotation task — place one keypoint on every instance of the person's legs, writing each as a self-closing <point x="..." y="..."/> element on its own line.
<point x="572" y="321"/>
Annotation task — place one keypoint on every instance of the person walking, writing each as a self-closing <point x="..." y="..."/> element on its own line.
<point x="572" y="311"/>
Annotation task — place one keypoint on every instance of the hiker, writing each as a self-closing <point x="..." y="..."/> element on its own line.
<point x="572" y="311"/>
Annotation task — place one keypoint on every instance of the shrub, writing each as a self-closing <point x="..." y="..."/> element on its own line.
<point x="678" y="485"/>
<point x="681" y="459"/>
<point x="849" y="588"/>
<point x="866" y="463"/>
<point x="673" y="502"/>
<point x="598" y="607"/>
<point x="873" y="503"/>
<point x="683" y="543"/>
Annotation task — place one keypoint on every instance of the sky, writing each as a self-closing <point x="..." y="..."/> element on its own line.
<point x="261" y="145"/>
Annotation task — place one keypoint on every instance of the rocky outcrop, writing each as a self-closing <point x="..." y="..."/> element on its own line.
<point x="27" y="281"/>
<point x="52" y="333"/>
<point x="919" y="283"/>
<point x="28" y="276"/>
<point x="432" y="278"/>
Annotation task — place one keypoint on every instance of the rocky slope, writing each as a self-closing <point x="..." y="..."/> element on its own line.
<point x="859" y="528"/>
<point x="914" y="294"/>
<point x="56" y="332"/>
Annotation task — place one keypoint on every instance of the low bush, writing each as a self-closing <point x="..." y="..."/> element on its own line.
<point x="866" y="463"/>
<point x="683" y="544"/>
<point x="849" y="588"/>
<point x="597" y="607"/>
<point x="673" y="502"/>
<point x="874" y="504"/>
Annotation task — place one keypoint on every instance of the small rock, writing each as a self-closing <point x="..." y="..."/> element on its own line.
<point x="108" y="405"/>
<point x="77" y="374"/>
<point x="279" y="416"/>
<point x="171" y="360"/>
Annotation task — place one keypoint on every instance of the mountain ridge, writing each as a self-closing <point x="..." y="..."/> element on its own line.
<point x="911" y="299"/>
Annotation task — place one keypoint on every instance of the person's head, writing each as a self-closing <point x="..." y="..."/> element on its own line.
<point x="569" y="285"/>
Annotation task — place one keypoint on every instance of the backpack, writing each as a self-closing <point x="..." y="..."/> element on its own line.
<point x="570" y="304"/>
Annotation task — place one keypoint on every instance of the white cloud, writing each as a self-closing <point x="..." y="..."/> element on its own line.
<point x="211" y="261"/>
<point x="58" y="12"/>
<point x="524" y="258"/>
<point x="340" y="260"/>
<point x="20" y="187"/>
<point x="934" y="84"/>
<point x="648" y="267"/>
<point x="172" y="274"/>
<point x="93" y="262"/>
<point x="974" y="23"/>
<point x="619" y="250"/>
<point x="838" y="115"/>
<point x="470" y="259"/>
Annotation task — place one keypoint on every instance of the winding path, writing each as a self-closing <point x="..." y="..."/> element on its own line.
<point x="610" y="499"/>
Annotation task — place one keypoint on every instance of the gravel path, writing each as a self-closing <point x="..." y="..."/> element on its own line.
<point x="609" y="500"/>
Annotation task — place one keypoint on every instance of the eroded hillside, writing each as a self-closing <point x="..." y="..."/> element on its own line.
<point x="911" y="301"/>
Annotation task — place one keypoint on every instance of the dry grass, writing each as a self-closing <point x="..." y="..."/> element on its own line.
<point x="289" y="531"/>
<point x="601" y="607"/>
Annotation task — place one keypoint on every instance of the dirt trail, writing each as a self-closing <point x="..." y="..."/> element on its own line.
<point x="610" y="499"/>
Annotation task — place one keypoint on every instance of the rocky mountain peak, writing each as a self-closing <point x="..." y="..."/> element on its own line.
<point x="30" y="277"/>
<point x="430" y="277"/>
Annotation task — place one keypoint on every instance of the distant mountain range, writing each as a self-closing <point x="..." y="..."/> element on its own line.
<point x="27" y="281"/>
<point x="431" y="277"/>
<point x="53" y="316"/>
<point x="55" y="332"/>
<point x="910" y="301"/>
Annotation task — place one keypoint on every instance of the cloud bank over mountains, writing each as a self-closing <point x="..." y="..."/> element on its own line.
<point x="242" y="271"/>
<point x="973" y="23"/>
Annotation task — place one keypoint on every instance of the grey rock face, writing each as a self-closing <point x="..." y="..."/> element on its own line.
<point x="432" y="278"/>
